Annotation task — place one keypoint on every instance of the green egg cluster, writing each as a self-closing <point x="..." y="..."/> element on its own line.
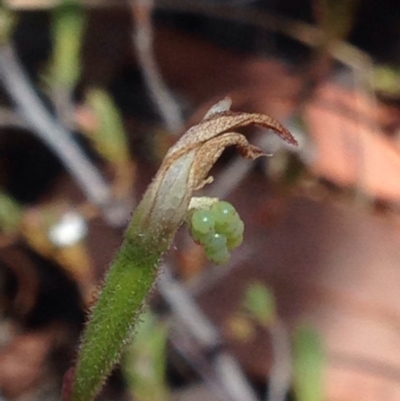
<point x="219" y="229"/>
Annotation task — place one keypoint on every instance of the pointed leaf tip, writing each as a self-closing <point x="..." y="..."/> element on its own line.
<point x="223" y="105"/>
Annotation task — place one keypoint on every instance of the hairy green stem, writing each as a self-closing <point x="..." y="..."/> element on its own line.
<point x="130" y="278"/>
<point x="127" y="283"/>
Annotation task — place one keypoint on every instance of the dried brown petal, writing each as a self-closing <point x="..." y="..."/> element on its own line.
<point x="225" y="121"/>
<point x="187" y="163"/>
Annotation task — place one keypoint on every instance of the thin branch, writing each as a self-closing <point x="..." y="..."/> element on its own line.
<point x="231" y="375"/>
<point x="143" y="35"/>
<point x="63" y="105"/>
<point x="280" y="375"/>
<point x="24" y="5"/>
<point x="281" y="371"/>
<point x="226" y="367"/>
<point x="190" y="350"/>
<point x="307" y="34"/>
<point x="50" y="131"/>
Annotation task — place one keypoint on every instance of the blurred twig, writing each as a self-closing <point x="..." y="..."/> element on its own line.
<point x="51" y="132"/>
<point x="45" y="4"/>
<point x="226" y="368"/>
<point x="191" y="352"/>
<point x="143" y="41"/>
<point x="334" y="20"/>
<point x="305" y="33"/>
<point x="280" y="376"/>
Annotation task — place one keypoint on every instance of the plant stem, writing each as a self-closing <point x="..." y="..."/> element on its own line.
<point x="162" y="210"/>
<point x="127" y="283"/>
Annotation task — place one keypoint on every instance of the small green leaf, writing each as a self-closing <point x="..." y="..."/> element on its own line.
<point x="145" y="361"/>
<point x="387" y="80"/>
<point x="109" y="136"/>
<point x="68" y="24"/>
<point x="308" y="363"/>
<point x="10" y="214"/>
<point x="260" y="302"/>
<point x="7" y="22"/>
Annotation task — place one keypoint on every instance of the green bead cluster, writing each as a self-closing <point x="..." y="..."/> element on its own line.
<point x="219" y="229"/>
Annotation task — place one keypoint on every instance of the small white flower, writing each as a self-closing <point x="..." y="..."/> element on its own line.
<point x="69" y="230"/>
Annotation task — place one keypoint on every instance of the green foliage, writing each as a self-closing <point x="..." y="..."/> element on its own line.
<point x="109" y="134"/>
<point x="10" y="214"/>
<point x="387" y="80"/>
<point x="260" y="303"/>
<point x="7" y="22"/>
<point x="144" y="362"/>
<point x="308" y="363"/>
<point x="67" y="28"/>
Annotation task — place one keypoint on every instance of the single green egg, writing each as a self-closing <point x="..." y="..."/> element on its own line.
<point x="215" y="242"/>
<point x="234" y="242"/>
<point x="202" y="221"/>
<point x="220" y="256"/>
<point x="223" y="213"/>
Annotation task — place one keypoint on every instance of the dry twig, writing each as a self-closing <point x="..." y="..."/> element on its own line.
<point x="143" y="35"/>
